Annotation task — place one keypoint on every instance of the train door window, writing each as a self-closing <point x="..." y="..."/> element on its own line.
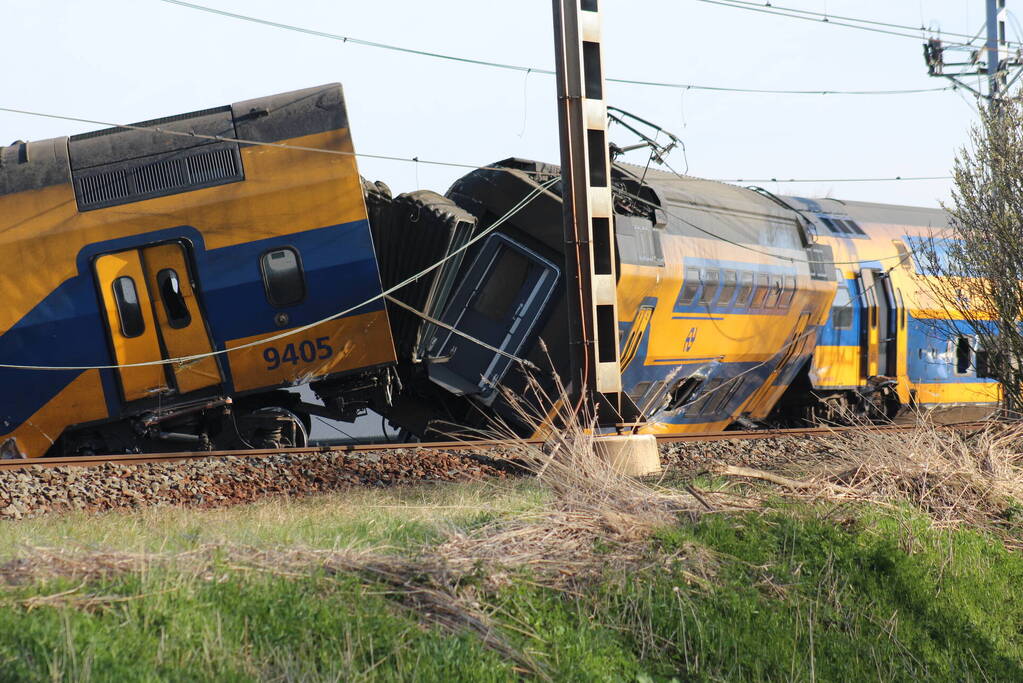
<point x="745" y="289"/>
<point x="501" y="291"/>
<point x="690" y="287"/>
<point x="964" y="355"/>
<point x="711" y="278"/>
<point x="788" y="293"/>
<point x="728" y="288"/>
<point x="761" y="292"/>
<point x="773" y="292"/>
<point x="841" y="309"/>
<point x="129" y="310"/>
<point x="173" y="298"/>
<point x="282" y="277"/>
<point x="902" y="310"/>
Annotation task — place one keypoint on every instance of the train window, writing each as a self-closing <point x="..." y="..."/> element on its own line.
<point x="129" y="310"/>
<point x="639" y="391"/>
<point x="711" y="278"/>
<point x="841" y="309"/>
<point x="774" y="292"/>
<point x="708" y="399"/>
<point x="761" y="291"/>
<point x="282" y="277"/>
<point x="680" y="394"/>
<point x="790" y="291"/>
<point x="727" y="391"/>
<point x="500" y="292"/>
<point x="853" y="227"/>
<point x="833" y="225"/>
<point x="745" y="289"/>
<point x="902" y="309"/>
<point x="728" y="288"/>
<point x="173" y="299"/>
<point x="964" y="355"/>
<point x="691" y="287"/>
<point x="982" y="363"/>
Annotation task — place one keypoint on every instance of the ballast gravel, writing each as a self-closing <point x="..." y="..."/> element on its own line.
<point x="217" y="482"/>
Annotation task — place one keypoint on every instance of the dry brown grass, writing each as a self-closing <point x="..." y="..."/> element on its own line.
<point x="956" y="477"/>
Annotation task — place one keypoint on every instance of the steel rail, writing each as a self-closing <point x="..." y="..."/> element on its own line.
<point x="747" y="435"/>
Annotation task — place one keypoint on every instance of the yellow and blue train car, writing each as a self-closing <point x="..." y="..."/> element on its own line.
<point x="717" y="324"/>
<point x="159" y="279"/>
<point x="887" y="345"/>
<point x="736" y="306"/>
<point x="720" y="294"/>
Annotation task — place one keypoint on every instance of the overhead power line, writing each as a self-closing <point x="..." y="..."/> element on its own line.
<point x="416" y="159"/>
<point x="833" y="180"/>
<point x="538" y="70"/>
<point x="825" y="19"/>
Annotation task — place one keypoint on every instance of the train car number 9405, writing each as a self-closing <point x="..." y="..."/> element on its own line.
<point x="305" y="351"/>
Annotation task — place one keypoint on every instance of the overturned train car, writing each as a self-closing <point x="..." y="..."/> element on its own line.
<point x="736" y="306"/>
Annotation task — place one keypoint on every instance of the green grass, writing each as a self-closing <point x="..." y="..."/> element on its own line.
<point x="397" y="516"/>
<point x="791" y="593"/>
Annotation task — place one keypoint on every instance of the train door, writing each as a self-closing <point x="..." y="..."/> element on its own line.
<point x="888" y="326"/>
<point x="498" y="303"/>
<point x="152" y="314"/>
<point x="869" y="352"/>
<point x="880" y="324"/>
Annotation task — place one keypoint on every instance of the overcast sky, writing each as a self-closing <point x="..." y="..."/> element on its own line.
<point x="124" y="61"/>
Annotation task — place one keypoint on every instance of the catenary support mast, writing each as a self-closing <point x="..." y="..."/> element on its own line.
<point x="994" y="60"/>
<point x="588" y="211"/>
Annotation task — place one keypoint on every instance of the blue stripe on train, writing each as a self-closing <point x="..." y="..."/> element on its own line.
<point x="66" y="328"/>
<point x="750" y="376"/>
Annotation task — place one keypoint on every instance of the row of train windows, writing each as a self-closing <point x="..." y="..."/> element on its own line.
<point x="716" y="396"/>
<point x="751" y="290"/>
<point x="283" y="282"/>
<point x="842" y="226"/>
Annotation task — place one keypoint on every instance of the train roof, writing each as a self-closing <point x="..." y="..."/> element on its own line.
<point x="33" y="165"/>
<point x="699" y="192"/>
<point x="691" y="190"/>
<point x="871" y="212"/>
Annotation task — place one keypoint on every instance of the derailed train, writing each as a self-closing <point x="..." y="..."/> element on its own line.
<point x="167" y="282"/>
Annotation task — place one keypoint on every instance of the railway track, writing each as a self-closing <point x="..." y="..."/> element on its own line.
<point x="141" y="458"/>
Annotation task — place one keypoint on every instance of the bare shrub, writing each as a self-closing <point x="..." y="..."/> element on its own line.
<point x="955" y="476"/>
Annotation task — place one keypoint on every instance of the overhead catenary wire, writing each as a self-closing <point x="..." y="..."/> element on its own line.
<point x="532" y="69"/>
<point x="243" y="141"/>
<point x="414" y="159"/>
<point x="828" y="17"/>
<point x="791" y="14"/>
<point x="888" y="179"/>
<point x="533" y="194"/>
<point x="450" y="328"/>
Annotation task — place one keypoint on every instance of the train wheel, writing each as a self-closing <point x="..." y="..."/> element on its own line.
<point x="272" y="427"/>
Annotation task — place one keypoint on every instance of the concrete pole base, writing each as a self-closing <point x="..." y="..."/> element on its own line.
<point x="635" y="455"/>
